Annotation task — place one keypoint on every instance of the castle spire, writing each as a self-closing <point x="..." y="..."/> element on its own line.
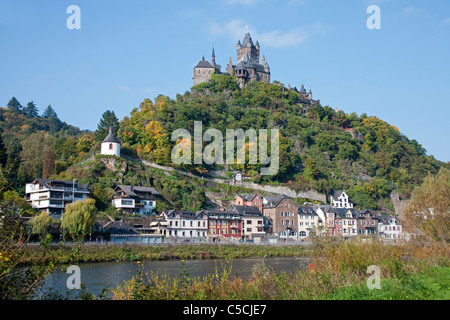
<point x="213" y="57"/>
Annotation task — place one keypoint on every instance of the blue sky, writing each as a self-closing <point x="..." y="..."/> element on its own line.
<point x="127" y="51"/>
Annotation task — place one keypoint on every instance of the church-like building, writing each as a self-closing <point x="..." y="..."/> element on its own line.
<point x="247" y="68"/>
<point x="110" y="145"/>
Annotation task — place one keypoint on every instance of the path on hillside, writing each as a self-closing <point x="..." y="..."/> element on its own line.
<point x="310" y="194"/>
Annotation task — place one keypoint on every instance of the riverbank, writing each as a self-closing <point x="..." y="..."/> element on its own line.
<point x="338" y="271"/>
<point x="125" y="252"/>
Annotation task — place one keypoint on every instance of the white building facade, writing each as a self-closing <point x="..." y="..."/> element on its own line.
<point x="186" y="225"/>
<point x="339" y="199"/>
<point x="52" y="196"/>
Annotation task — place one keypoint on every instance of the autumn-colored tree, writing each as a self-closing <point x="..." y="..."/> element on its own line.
<point x="428" y="211"/>
<point x="85" y="143"/>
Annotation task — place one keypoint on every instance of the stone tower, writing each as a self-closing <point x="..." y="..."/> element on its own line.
<point x="248" y="46"/>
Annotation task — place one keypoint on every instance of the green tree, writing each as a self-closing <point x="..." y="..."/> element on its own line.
<point x="14" y="105"/>
<point x="108" y="120"/>
<point x="40" y="224"/>
<point x="34" y="150"/>
<point x="311" y="169"/>
<point x="30" y="111"/>
<point x="3" y="153"/>
<point x="78" y="218"/>
<point x="85" y="143"/>
<point x="49" y="112"/>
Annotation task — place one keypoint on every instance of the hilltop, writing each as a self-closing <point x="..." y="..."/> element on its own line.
<point x="320" y="148"/>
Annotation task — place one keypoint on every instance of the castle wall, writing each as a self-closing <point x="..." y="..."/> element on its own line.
<point x="202" y="75"/>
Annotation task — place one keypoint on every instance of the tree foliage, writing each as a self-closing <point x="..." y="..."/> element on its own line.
<point x="78" y="218"/>
<point x="428" y="211"/>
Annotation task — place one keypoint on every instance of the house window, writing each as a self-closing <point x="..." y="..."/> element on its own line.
<point x="302" y="234"/>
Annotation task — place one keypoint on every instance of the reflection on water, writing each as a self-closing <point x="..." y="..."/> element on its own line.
<point x="111" y="274"/>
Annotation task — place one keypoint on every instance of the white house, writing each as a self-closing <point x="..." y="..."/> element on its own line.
<point x="309" y="222"/>
<point x="52" y="196"/>
<point x="389" y="227"/>
<point x="186" y="225"/>
<point x="110" y="145"/>
<point x="339" y="199"/>
<point x="135" y="200"/>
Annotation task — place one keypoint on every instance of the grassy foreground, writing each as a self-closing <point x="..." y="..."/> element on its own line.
<point x="408" y="271"/>
<point x="432" y="283"/>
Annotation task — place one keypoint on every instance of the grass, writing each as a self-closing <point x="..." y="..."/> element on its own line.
<point x="430" y="284"/>
<point x="110" y="253"/>
<point x="409" y="272"/>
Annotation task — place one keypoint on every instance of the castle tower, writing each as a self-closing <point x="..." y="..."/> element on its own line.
<point x="110" y="145"/>
<point x="248" y="46"/>
<point x="241" y="74"/>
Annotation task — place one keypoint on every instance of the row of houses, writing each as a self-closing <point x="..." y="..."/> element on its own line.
<point x="241" y="223"/>
<point x="252" y="217"/>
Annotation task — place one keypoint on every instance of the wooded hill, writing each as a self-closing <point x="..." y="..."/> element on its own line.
<point x="321" y="149"/>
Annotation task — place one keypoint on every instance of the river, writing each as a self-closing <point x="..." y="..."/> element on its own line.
<point x="97" y="276"/>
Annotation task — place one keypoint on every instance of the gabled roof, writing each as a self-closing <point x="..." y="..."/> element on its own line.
<point x="131" y="190"/>
<point x="183" y="214"/>
<point x="342" y="212"/>
<point x="303" y="210"/>
<point x="69" y="184"/>
<point x="221" y="212"/>
<point x="121" y="228"/>
<point x="247" y="210"/>
<point x="336" y="194"/>
<point x="275" y="201"/>
<point x="247" y="197"/>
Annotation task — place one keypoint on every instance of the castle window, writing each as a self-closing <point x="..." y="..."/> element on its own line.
<point x="110" y="146"/>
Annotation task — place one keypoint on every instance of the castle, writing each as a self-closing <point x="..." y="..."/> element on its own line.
<point x="246" y="69"/>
